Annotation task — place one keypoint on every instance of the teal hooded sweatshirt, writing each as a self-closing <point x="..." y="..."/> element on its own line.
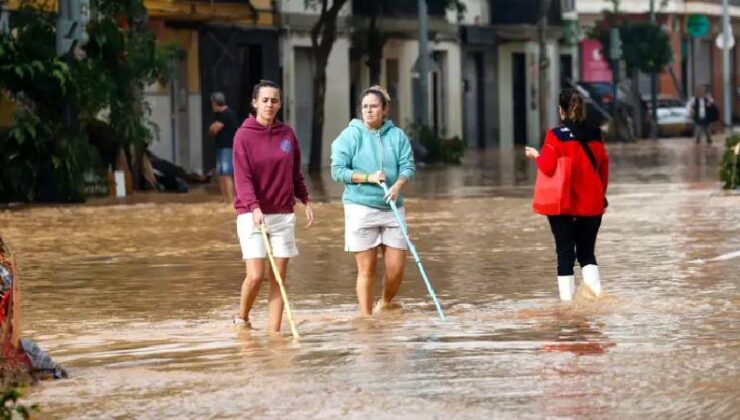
<point x="360" y="149"/>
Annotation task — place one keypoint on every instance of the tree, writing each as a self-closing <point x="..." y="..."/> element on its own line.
<point x="646" y="48"/>
<point x="42" y="156"/>
<point x="323" y="36"/>
<point x="370" y="39"/>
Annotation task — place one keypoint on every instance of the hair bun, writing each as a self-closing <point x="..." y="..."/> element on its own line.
<point x="382" y="90"/>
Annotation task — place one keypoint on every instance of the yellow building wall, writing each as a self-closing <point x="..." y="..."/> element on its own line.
<point x="192" y="10"/>
<point x="211" y="11"/>
<point x="187" y="39"/>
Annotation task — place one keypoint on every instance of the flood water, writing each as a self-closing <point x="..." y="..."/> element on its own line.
<point x="136" y="298"/>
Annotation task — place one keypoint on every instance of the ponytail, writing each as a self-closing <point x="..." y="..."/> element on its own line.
<point x="573" y="105"/>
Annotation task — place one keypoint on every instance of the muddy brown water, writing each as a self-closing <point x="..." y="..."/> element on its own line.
<point x="136" y="298"/>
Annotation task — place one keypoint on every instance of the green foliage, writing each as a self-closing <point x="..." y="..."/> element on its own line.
<point x="729" y="172"/>
<point x="11" y="408"/>
<point x="439" y="149"/>
<point x="645" y="46"/>
<point x="59" y="98"/>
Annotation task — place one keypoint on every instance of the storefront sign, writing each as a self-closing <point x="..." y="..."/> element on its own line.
<point x="594" y="67"/>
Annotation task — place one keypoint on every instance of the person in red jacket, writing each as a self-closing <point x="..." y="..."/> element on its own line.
<point x="267" y="179"/>
<point x="575" y="228"/>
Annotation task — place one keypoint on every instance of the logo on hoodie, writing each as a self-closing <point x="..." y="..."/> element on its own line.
<point x="286" y="146"/>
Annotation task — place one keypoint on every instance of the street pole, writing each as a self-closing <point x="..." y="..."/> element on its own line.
<point x="726" y="66"/>
<point x="423" y="93"/>
<point x="615" y="54"/>
<point x="63" y="27"/>
<point x="543" y="65"/>
<point x="654" y="82"/>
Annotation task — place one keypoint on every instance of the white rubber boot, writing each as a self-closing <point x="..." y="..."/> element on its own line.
<point x="591" y="278"/>
<point x="567" y="286"/>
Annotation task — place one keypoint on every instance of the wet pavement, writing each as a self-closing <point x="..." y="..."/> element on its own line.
<point x="135" y="298"/>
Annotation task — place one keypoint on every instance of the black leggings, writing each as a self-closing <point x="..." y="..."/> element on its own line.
<point x="575" y="237"/>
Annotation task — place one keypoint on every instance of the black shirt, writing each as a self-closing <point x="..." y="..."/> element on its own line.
<point x="225" y="137"/>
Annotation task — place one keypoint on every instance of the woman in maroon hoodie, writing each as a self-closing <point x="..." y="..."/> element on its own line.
<point x="576" y="227"/>
<point x="267" y="179"/>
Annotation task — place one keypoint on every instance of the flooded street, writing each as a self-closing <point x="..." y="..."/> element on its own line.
<point x="136" y="300"/>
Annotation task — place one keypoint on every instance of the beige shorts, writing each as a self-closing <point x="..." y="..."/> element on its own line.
<point x="280" y="231"/>
<point x="366" y="227"/>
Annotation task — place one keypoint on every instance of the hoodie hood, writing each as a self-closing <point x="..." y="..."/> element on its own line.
<point x="387" y="125"/>
<point x="252" y="124"/>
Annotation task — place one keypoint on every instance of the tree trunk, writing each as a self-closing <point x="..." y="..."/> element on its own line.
<point x="543" y="66"/>
<point x="636" y="104"/>
<point x="317" y="121"/>
<point x="323" y="35"/>
<point x="375" y="42"/>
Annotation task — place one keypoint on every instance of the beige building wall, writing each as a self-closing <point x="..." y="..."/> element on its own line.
<point x="336" y="101"/>
<point x="406" y="52"/>
<point x="506" y="97"/>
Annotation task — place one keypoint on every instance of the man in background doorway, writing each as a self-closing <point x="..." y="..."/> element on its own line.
<point x="704" y="112"/>
<point x="223" y="129"/>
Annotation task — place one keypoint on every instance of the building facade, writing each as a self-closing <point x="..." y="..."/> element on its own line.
<point x="229" y="46"/>
<point x="697" y="60"/>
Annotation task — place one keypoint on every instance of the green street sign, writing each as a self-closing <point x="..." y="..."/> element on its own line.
<point x="698" y="26"/>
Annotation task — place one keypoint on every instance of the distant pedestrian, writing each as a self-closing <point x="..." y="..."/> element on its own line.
<point x="268" y="178"/>
<point x="704" y="112"/>
<point x="223" y="130"/>
<point x="370" y="151"/>
<point x="576" y="225"/>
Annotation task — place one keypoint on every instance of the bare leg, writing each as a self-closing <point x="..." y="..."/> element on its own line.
<point x="226" y="185"/>
<point x="275" y="300"/>
<point x="394" y="261"/>
<point x="229" y="181"/>
<point x="251" y="286"/>
<point x="367" y="262"/>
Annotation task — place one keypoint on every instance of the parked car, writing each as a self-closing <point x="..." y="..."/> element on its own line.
<point x="601" y="92"/>
<point x="673" y="117"/>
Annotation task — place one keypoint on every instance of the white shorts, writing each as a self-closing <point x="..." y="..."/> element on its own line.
<point x="280" y="231"/>
<point x="367" y="227"/>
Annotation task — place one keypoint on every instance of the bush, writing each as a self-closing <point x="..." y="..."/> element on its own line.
<point x="47" y="153"/>
<point x="729" y="172"/>
<point x="438" y="149"/>
<point x="11" y="408"/>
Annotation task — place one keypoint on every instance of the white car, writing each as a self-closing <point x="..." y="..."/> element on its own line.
<point x="673" y="117"/>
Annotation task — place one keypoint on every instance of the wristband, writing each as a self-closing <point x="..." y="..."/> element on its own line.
<point x="367" y="177"/>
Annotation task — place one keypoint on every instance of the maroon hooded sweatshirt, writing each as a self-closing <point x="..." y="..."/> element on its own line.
<point x="267" y="168"/>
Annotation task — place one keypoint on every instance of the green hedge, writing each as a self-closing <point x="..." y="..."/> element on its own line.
<point x="445" y="150"/>
<point x="729" y="172"/>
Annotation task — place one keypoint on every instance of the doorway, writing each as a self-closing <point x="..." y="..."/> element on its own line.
<point x="519" y="97"/>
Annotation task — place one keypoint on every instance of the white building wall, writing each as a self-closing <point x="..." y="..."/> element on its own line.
<point x="553" y="82"/>
<point x="505" y="77"/>
<point x="160" y="106"/>
<point x="162" y="145"/>
<point x="454" y="126"/>
<point x="196" y="132"/>
<point x="477" y="12"/>
<point x="643" y="6"/>
<point x="406" y="52"/>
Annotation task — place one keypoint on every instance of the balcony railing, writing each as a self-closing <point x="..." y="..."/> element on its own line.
<point x="401" y="9"/>
<point x="518" y="12"/>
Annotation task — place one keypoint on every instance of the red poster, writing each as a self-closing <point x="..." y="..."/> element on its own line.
<point x="594" y="67"/>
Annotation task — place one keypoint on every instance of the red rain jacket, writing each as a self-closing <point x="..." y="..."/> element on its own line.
<point x="588" y="185"/>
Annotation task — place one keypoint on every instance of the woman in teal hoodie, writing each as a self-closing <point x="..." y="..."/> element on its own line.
<point x="368" y="152"/>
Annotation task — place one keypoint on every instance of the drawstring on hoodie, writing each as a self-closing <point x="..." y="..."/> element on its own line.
<point x="380" y="145"/>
